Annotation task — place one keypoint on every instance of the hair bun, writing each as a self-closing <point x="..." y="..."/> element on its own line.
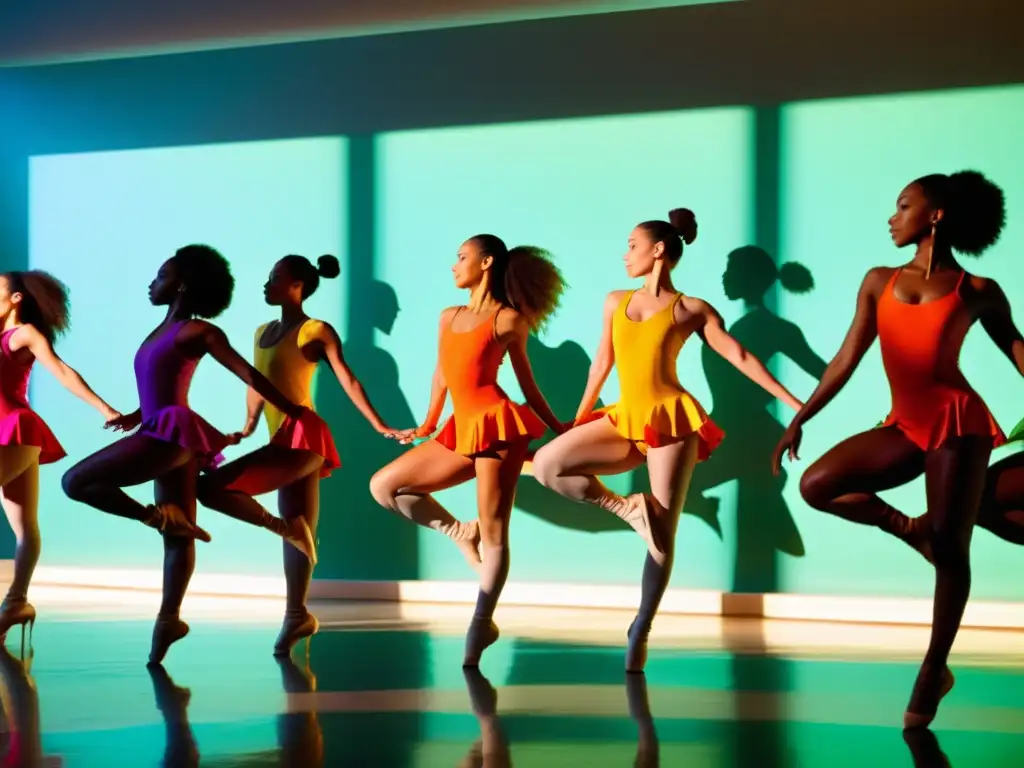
<point x="685" y="223"/>
<point x="328" y="266"/>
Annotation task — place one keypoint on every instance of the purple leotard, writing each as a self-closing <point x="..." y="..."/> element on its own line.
<point x="163" y="375"/>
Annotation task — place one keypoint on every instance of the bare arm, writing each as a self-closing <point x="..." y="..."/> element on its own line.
<point x="68" y="377"/>
<point x="604" y="359"/>
<point x="858" y="341"/>
<point x="517" y="331"/>
<point x="712" y="330"/>
<point x="253" y="411"/>
<point x="353" y="388"/>
<point x="216" y="343"/>
<point x="438" y="386"/>
<point x="997" y="320"/>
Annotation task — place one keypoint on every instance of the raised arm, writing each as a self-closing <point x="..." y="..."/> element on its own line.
<point x="68" y="377"/>
<point x="216" y="343"/>
<point x="997" y="320"/>
<point x="603" y="361"/>
<point x="353" y="388"/>
<point x="712" y="330"/>
<point x="513" y="328"/>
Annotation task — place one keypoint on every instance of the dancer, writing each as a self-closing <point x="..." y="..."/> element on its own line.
<point x="300" y="451"/>
<point x="34" y="311"/>
<point x="655" y="420"/>
<point x="173" y="442"/>
<point x="938" y="424"/>
<point x="512" y="292"/>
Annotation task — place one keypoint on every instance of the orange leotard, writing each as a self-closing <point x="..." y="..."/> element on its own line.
<point x="653" y="409"/>
<point x="931" y="399"/>
<point x="484" y="417"/>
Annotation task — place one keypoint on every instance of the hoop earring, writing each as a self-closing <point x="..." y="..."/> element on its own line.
<point x="931" y="251"/>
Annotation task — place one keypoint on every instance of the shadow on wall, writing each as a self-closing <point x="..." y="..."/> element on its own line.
<point x="352" y="525"/>
<point x="764" y="524"/>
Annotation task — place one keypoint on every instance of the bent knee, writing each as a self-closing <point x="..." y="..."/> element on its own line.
<point x="546" y="466"/>
<point x="817" y="489"/>
<point x="73" y="484"/>
<point x="383" y="489"/>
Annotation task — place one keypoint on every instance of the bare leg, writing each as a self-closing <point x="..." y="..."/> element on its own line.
<point x="404" y="486"/>
<point x="230" y="489"/>
<point x="847" y="479"/>
<point x="20" y="495"/>
<point x="955" y="480"/>
<point x="97" y="480"/>
<point x="670" y="469"/>
<point x="298" y="501"/>
<point x="568" y="465"/>
<point x="496" y="478"/>
<point x="1002" y="506"/>
<point x="177" y="487"/>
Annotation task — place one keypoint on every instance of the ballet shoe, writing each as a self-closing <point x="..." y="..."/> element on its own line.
<point x="636" y="648"/>
<point x="467" y="539"/>
<point x="170" y="520"/>
<point x="17" y="611"/>
<point x="913" y="720"/>
<point x="482" y="634"/>
<point x="296" y="627"/>
<point x="298" y="534"/>
<point x="914" y="534"/>
<point x="167" y="631"/>
<point x="638" y="514"/>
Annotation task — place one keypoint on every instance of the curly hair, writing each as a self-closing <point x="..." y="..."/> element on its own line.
<point x="45" y="303"/>
<point x="974" y="209"/>
<point x="302" y="270"/>
<point x="206" y="278"/>
<point x="525" y="279"/>
<point x="680" y="228"/>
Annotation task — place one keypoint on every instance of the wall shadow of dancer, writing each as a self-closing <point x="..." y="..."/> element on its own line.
<point x="561" y="373"/>
<point x="351" y="526"/>
<point x="764" y="524"/>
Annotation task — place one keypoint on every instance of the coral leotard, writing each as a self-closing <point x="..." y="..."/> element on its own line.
<point x="653" y="409"/>
<point x="931" y="399"/>
<point x="288" y="369"/>
<point x="484" y="416"/>
<point x="19" y="424"/>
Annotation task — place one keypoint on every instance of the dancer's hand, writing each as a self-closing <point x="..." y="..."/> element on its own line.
<point x="109" y="414"/>
<point x="789" y="444"/>
<point x="404" y="436"/>
<point x="235" y="437"/>
<point x="125" y="423"/>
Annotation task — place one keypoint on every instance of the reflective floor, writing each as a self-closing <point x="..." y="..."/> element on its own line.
<point x="384" y="687"/>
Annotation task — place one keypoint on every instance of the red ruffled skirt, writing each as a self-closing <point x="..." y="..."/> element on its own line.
<point x="309" y="433"/>
<point x="23" y="426"/>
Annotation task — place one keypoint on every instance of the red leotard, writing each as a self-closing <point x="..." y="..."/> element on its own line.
<point x="931" y="399"/>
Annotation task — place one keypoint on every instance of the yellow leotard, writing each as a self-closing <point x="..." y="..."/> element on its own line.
<point x="287" y="368"/>
<point x="653" y="409"/>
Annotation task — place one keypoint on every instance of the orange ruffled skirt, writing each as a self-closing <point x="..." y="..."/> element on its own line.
<point x="23" y="426"/>
<point x="502" y="423"/>
<point x="667" y="422"/>
<point x="962" y="413"/>
<point x="309" y="433"/>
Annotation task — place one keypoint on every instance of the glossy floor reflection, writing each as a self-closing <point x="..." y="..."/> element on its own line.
<point x="384" y="687"/>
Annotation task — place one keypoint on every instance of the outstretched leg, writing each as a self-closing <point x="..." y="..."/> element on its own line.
<point x="496" y="476"/>
<point x="298" y="503"/>
<point x="404" y="486"/>
<point x="1002" y="504"/>
<point x="670" y="469"/>
<point x="954" y="480"/>
<point x="97" y="480"/>
<point x="230" y="489"/>
<point x="177" y="488"/>
<point x="568" y="465"/>
<point x="847" y="479"/>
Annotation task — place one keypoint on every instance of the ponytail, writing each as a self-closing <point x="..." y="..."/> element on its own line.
<point x="524" y="278"/>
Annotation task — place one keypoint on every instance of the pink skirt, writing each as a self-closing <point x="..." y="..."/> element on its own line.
<point x="24" y="426"/>
<point x="309" y="433"/>
<point x="183" y="426"/>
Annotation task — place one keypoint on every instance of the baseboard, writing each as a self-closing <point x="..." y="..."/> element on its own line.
<point x="871" y="610"/>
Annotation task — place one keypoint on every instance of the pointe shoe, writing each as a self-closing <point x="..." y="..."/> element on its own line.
<point x="637" y="513"/>
<point x="467" y="538"/>
<point x="13" y="612"/>
<point x="170" y="520"/>
<point x="914" y="534"/>
<point x="482" y="634"/>
<point x="296" y="627"/>
<point x="167" y="631"/>
<point x="636" y="648"/>
<point x="912" y="720"/>
<point x="298" y="534"/>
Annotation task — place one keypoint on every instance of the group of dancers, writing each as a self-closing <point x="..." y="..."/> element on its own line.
<point x="920" y="313"/>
